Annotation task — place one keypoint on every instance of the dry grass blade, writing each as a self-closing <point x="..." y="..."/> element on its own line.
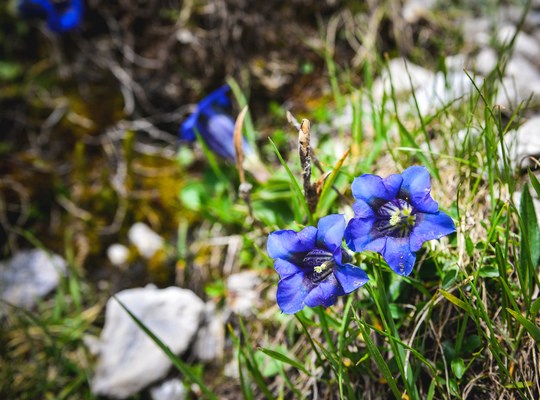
<point x="238" y="149"/>
<point x="304" y="150"/>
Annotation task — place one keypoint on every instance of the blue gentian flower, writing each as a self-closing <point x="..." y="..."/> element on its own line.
<point x="215" y="126"/>
<point x="60" y="16"/>
<point x="395" y="216"/>
<point x="313" y="267"/>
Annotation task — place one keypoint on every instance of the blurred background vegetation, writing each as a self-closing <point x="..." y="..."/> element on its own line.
<point x="89" y="147"/>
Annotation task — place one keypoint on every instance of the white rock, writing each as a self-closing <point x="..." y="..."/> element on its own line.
<point x="243" y="295"/>
<point x="457" y="62"/>
<point x="533" y="21"/>
<point x="118" y="254"/>
<point x="523" y="143"/>
<point x="486" y="60"/>
<point x="405" y="75"/>
<point x="413" y="10"/>
<point x="172" y="389"/>
<point x="524" y="45"/>
<point x="145" y="239"/>
<point x="210" y="341"/>
<point x="441" y="91"/>
<point x="344" y="120"/>
<point x="128" y="359"/>
<point x="477" y="31"/>
<point x="29" y="276"/>
<point x="522" y="81"/>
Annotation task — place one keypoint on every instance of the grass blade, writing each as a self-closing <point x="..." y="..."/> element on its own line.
<point x="284" y="359"/>
<point x="297" y="192"/>
<point x="530" y="326"/>
<point x="379" y="360"/>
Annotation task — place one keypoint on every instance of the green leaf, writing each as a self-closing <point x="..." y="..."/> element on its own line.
<point x="454" y="300"/>
<point x="530" y="222"/>
<point x="472" y="343"/>
<point x="469" y="246"/>
<point x="489" y="272"/>
<point x="535" y="307"/>
<point x="530" y="326"/>
<point x="449" y="278"/>
<point x="322" y="203"/>
<point x="379" y="360"/>
<point x="458" y="367"/>
<point x="297" y="192"/>
<point x="285" y="359"/>
<point x="535" y="183"/>
<point x="529" y="244"/>
<point x="9" y="70"/>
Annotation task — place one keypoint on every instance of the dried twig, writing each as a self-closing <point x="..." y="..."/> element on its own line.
<point x="304" y="150"/>
<point x="245" y="187"/>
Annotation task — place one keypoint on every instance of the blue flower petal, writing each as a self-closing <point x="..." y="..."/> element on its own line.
<point x="398" y="255"/>
<point x="292" y="292"/>
<point x="362" y="209"/>
<point x="377" y="245"/>
<point x="60" y="19"/>
<point x="416" y="188"/>
<point x="285" y="268"/>
<point x="429" y="227"/>
<point x="330" y="232"/>
<point x="66" y="20"/>
<point x="217" y="98"/>
<point x="187" y="129"/>
<point x="325" y="293"/>
<point x="360" y="232"/>
<point x="350" y="277"/>
<point x="285" y="244"/>
<point x="374" y="190"/>
<point x="219" y="135"/>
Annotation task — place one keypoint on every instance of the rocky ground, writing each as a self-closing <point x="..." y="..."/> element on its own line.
<point x="123" y="239"/>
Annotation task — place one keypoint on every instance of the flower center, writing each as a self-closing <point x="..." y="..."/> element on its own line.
<point x="396" y="218"/>
<point x="321" y="261"/>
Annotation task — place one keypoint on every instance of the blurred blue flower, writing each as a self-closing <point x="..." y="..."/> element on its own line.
<point x="395" y="216"/>
<point x="215" y="126"/>
<point x="313" y="267"/>
<point x="61" y="16"/>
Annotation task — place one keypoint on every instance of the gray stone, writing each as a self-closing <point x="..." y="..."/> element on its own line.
<point x="243" y="295"/>
<point x="457" y="63"/>
<point x="486" y="61"/>
<point x="172" y="389"/>
<point x="442" y="90"/>
<point x="403" y="76"/>
<point x="29" y="276"/>
<point x="522" y="81"/>
<point x="524" y="45"/>
<point x="414" y="10"/>
<point x="210" y="341"/>
<point x="128" y="359"/>
<point x="524" y="143"/>
<point x="118" y="254"/>
<point x="477" y="31"/>
<point x="145" y="239"/>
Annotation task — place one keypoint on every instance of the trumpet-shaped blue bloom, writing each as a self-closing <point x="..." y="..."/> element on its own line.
<point x="395" y="216"/>
<point x="215" y="126"/>
<point x="60" y="16"/>
<point x="313" y="267"/>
